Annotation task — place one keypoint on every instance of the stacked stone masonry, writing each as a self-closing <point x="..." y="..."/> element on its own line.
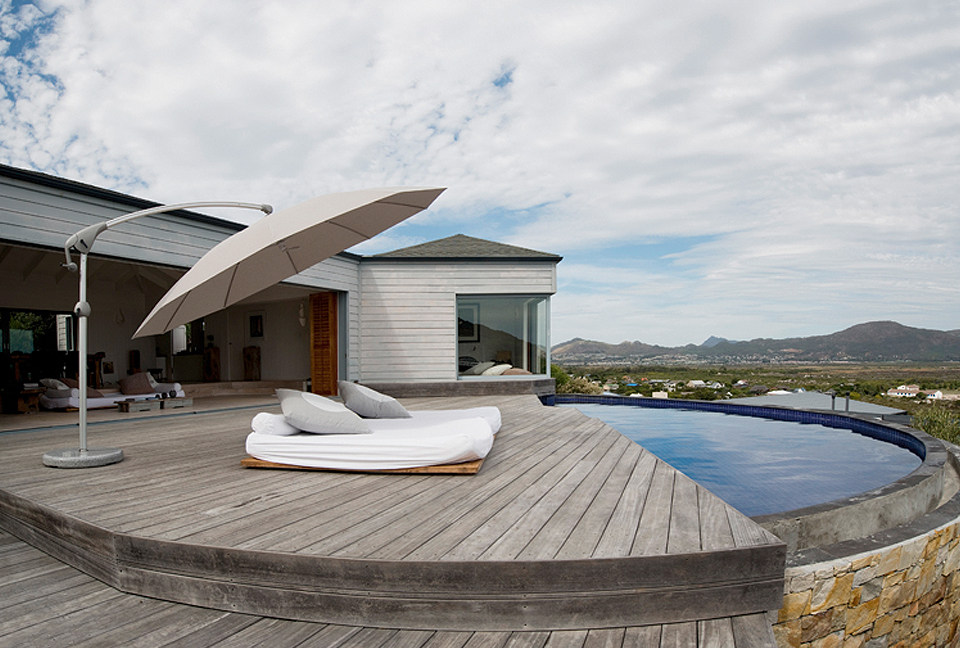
<point x="904" y="595"/>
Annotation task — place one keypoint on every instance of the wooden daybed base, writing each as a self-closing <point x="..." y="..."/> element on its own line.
<point x="465" y="468"/>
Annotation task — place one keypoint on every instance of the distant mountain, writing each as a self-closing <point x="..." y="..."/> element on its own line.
<point x="869" y="342"/>
<point x="713" y="341"/>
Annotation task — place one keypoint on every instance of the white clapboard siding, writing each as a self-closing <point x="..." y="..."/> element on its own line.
<point x="41" y="216"/>
<point x="408" y="311"/>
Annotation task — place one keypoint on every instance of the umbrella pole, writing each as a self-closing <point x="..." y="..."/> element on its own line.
<point x="83" y="457"/>
<point x="82" y="241"/>
<point x="82" y="310"/>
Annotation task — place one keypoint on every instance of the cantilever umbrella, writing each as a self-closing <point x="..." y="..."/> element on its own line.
<point x="279" y="246"/>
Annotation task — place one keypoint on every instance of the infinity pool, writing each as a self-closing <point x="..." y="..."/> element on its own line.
<point x="759" y="465"/>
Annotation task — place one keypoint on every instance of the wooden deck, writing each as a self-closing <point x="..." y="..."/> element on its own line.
<point x="569" y="534"/>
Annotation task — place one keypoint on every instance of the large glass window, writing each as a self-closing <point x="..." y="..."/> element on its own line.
<point x="33" y="345"/>
<point x="503" y="335"/>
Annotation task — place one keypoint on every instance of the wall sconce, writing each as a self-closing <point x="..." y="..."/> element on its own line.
<point x="302" y="316"/>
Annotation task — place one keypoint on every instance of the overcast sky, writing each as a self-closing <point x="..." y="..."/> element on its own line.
<point x="734" y="168"/>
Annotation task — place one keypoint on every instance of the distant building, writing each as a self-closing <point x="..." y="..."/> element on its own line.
<point x="905" y="391"/>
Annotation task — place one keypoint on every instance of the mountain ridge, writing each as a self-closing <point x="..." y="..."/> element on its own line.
<point x="879" y="341"/>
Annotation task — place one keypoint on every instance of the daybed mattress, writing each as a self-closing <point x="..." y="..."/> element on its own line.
<point x="110" y="399"/>
<point x="394" y="444"/>
<point x="419" y="418"/>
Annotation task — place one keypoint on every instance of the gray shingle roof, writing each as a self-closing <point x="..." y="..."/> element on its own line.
<point x="465" y="248"/>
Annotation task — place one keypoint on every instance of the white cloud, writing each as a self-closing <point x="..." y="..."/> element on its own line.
<point x="811" y="145"/>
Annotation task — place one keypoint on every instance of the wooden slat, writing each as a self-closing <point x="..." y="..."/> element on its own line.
<point x="678" y="635"/>
<point x="552" y="517"/>
<point x="605" y="638"/>
<point x="618" y="537"/>
<point x="583" y="539"/>
<point x="567" y="514"/>
<point x="654" y="524"/>
<point x="642" y="636"/>
<point x="715" y="531"/>
<point x="716" y="633"/>
<point x="753" y="631"/>
<point x="512" y="504"/>
<point x="323" y="342"/>
<point x="684" y="534"/>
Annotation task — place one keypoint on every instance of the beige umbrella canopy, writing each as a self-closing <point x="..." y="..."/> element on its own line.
<point x="279" y="246"/>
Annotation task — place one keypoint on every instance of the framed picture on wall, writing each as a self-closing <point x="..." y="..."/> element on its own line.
<point x="256" y="326"/>
<point x="468" y="322"/>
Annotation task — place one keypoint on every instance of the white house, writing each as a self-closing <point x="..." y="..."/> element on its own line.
<point x="415" y="316"/>
<point x="904" y="391"/>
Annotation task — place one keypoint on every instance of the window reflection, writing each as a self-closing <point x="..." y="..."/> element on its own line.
<point x="502" y="335"/>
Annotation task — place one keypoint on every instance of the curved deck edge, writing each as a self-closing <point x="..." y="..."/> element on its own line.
<point x="444" y="595"/>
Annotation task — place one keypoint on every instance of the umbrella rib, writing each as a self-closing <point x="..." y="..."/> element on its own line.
<point x="350" y="229"/>
<point x="175" y="311"/>
<point x="226" y="295"/>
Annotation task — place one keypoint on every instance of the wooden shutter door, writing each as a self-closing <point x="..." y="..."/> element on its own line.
<point x="323" y="343"/>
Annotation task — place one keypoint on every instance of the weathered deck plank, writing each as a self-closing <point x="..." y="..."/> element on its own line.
<point x="567" y="514"/>
<point x="653" y="529"/>
<point x="684" y="534"/>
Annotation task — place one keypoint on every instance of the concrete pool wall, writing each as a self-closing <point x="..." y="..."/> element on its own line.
<point x="897" y="588"/>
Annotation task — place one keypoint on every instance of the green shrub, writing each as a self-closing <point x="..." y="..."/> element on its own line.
<point x="579" y="385"/>
<point x="939" y="422"/>
<point x="559" y="375"/>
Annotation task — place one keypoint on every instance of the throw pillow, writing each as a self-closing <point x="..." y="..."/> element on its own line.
<point x="478" y="369"/>
<point x="53" y="383"/>
<point x="370" y="403"/>
<point x="137" y="383"/>
<point x="319" y="415"/>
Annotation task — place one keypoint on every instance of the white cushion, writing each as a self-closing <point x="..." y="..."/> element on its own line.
<point x="274" y="424"/>
<point x="497" y="370"/>
<point x="478" y="368"/>
<point x="53" y="383"/>
<point x="312" y="413"/>
<point x="370" y="403"/>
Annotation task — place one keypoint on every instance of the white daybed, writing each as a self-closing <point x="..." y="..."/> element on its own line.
<point x="314" y="432"/>
<point x="388" y="447"/>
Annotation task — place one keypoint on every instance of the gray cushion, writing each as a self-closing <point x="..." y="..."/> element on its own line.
<point x="319" y="415"/>
<point x="369" y="403"/>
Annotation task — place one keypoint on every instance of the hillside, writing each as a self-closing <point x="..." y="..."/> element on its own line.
<point x="869" y="342"/>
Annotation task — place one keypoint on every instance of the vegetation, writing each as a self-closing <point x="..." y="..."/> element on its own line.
<point x="567" y="384"/>
<point x="938" y="421"/>
<point x="866" y="382"/>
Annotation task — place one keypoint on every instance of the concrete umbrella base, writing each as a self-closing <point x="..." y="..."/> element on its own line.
<point x="76" y="458"/>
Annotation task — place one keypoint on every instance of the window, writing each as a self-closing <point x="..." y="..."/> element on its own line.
<point x="502" y="335"/>
<point x="34" y="345"/>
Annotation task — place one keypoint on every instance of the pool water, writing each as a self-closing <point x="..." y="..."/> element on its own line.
<point x="757" y="465"/>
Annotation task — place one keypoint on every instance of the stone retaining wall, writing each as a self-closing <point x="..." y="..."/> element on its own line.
<point x="905" y="594"/>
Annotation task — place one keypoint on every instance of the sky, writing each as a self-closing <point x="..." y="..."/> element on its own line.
<point x="732" y="168"/>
